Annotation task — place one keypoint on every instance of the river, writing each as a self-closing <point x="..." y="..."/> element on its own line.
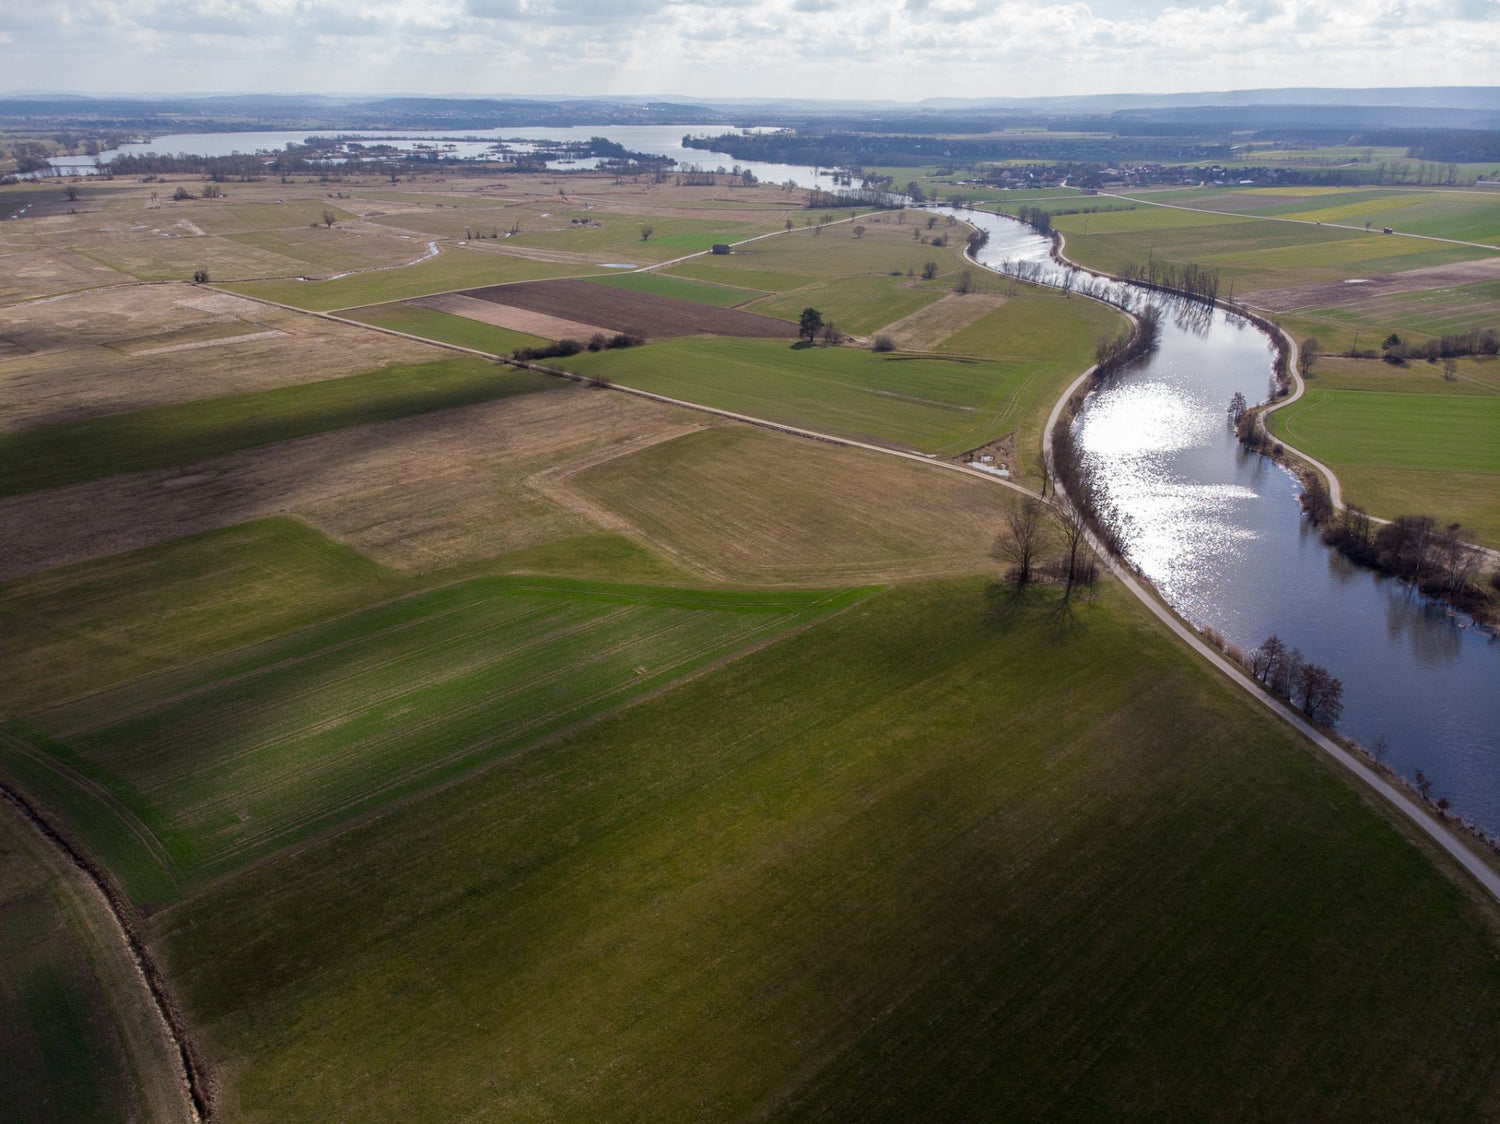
<point x="1218" y="531"/>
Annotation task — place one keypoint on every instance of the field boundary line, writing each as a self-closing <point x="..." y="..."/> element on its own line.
<point x="1303" y="222"/>
<point x="196" y="1086"/>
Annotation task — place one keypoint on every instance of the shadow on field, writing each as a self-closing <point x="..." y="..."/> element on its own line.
<point x="1008" y="604"/>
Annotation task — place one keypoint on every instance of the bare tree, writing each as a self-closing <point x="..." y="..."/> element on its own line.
<point x="1319" y="694"/>
<point x="646" y="232"/>
<point x="859" y="230"/>
<point x="1021" y="540"/>
<point x="329" y="218"/>
<point x="964" y="284"/>
<point x="1266" y="660"/>
<point x="1078" y="562"/>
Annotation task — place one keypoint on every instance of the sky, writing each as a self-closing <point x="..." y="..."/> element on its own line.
<point x="862" y="49"/>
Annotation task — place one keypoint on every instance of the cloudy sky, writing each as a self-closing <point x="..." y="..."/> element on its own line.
<point x="905" y="49"/>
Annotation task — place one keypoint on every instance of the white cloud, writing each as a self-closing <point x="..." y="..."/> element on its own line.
<point x="811" y="48"/>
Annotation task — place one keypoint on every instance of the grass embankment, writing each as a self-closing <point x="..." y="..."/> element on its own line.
<point x="206" y="768"/>
<point x="444" y="328"/>
<point x="932" y="856"/>
<point x="1406" y="442"/>
<point x="933" y="404"/>
<point x="77" y="1032"/>
<point x="165" y="436"/>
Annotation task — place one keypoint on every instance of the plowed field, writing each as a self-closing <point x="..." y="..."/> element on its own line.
<point x="620" y="310"/>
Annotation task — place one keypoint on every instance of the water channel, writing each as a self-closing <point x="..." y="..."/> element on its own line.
<point x="1217" y="530"/>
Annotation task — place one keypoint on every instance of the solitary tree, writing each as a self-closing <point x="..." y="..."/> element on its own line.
<point x="646" y="232"/>
<point x="929" y="271"/>
<point x="859" y="230"/>
<point x="1309" y="352"/>
<point x="964" y="284"/>
<point x="329" y="218"/>
<point x="1021" y="540"/>
<point x="810" y="324"/>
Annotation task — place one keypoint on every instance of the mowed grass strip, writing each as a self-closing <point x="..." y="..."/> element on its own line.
<point x="71" y="452"/>
<point x="440" y="326"/>
<point x="218" y="764"/>
<point x="938" y="854"/>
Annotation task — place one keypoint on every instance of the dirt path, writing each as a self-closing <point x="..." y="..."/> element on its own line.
<point x="153" y="1031"/>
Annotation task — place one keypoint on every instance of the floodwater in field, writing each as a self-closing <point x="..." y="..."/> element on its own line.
<point x="1219" y="532"/>
<point x="469" y="144"/>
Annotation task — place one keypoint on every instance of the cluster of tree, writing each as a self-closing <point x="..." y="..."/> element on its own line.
<point x="1190" y="280"/>
<point x="1033" y="527"/>
<point x="811" y="327"/>
<point x="1448" y="146"/>
<point x="1308" y="686"/>
<point x="1112" y="354"/>
<point x="858" y="198"/>
<point x="1434" y="558"/>
<point x="566" y="347"/>
<point x="1038" y="218"/>
<point x="1476" y="341"/>
<point x="828" y="148"/>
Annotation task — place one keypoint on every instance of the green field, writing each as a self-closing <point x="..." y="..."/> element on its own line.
<point x="76" y="1031"/>
<point x="663" y="285"/>
<point x="1468" y="216"/>
<point x="165" y="436"/>
<point x="1251" y="253"/>
<point x="857" y="304"/>
<point x="443" y="327"/>
<point x="929" y="404"/>
<point x="939" y="854"/>
<point x="199" y="771"/>
<point x="1399" y="452"/>
<point x="453" y="268"/>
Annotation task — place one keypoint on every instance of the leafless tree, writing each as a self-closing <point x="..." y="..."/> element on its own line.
<point x="1266" y="660"/>
<point x="1078" y="563"/>
<point x="859" y="230"/>
<point x="1021" y="541"/>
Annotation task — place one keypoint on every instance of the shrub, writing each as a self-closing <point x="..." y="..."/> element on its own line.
<point x="884" y="343"/>
<point x="182" y="193"/>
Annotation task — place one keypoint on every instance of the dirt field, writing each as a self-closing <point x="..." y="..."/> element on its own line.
<point x="928" y="327"/>
<point x="507" y="316"/>
<point x="620" y="310"/>
<point x="126" y="348"/>
<point x="418" y="494"/>
<point x="790" y="511"/>
<point x="1326" y="293"/>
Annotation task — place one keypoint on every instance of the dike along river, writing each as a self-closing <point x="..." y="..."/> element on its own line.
<point x="1219" y="532"/>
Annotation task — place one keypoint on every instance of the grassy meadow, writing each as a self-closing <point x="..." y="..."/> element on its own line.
<point x="926" y="402"/>
<point x="204" y="769"/>
<point x="940" y="853"/>
<point x="1406" y="443"/>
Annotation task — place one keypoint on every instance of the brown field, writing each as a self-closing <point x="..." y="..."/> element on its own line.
<point x="507" y="316"/>
<point x="418" y="494"/>
<point x="785" y="510"/>
<point x="27" y="275"/>
<point x="620" y="310"/>
<point x="130" y="347"/>
<point x="1322" y="294"/>
<point x="928" y="327"/>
